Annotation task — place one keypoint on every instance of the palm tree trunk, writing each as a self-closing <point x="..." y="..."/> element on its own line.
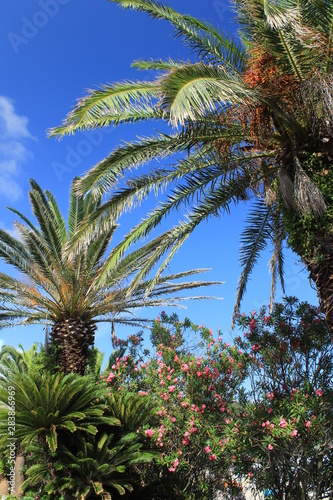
<point x="321" y="273"/>
<point x="73" y="337"/>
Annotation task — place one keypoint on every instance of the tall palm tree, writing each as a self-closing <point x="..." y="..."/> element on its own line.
<point x="72" y="294"/>
<point x="254" y="121"/>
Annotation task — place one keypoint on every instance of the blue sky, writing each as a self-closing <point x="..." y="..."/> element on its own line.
<point x="51" y="52"/>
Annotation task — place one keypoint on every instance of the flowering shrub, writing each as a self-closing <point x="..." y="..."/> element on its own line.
<point x="260" y="410"/>
<point x="284" y="440"/>
<point x="194" y="387"/>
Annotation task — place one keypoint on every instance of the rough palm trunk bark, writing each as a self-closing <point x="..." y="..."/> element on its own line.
<point x="321" y="273"/>
<point x="73" y="337"/>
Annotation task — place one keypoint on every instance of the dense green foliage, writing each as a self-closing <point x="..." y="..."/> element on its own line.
<point x="188" y="417"/>
<point x="303" y="229"/>
<point x="285" y="433"/>
<point x="259" y="411"/>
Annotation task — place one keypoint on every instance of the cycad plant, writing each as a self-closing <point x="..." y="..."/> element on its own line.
<point x="98" y="469"/>
<point x="253" y="121"/>
<point x="73" y="444"/>
<point x="17" y="361"/>
<point x="50" y="406"/>
<point x="72" y="294"/>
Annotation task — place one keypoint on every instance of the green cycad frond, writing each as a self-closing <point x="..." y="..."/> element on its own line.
<point x="14" y="361"/>
<point x="132" y="410"/>
<point x="98" y="467"/>
<point x="47" y="405"/>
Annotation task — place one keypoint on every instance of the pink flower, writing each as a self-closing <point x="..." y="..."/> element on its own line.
<point x="176" y="462"/>
<point x="252" y="325"/>
<point x="308" y="423"/>
<point x="176" y="359"/>
<point x="293" y="433"/>
<point x="172" y="469"/>
<point x="212" y="456"/>
<point x="319" y="392"/>
<point x="171" y="388"/>
<point x="150" y="432"/>
<point x="173" y="419"/>
<point x="270" y="447"/>
<point x="110" y="377"/>
<point x="270" y="395"/>
<point x="208" y="449"/>
<point x="283" y="423"/>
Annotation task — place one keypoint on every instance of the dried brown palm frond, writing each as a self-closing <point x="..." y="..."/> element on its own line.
<point x="307" y="195"/>
<point x="286" y="189"/>
<point x="317" y="99"/>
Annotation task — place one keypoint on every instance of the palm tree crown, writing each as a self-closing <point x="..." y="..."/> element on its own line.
<point x="255" y="121"/>
<point x="73" y="293"/>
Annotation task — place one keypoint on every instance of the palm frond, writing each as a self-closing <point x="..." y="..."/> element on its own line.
<point x="254" y="239"/>
<point x="207" y="41"/>
<point x="156" y="64"/>
<point x="119" y="102"/>
<point x="276" y="262"/>
<point x="196" y="89"/>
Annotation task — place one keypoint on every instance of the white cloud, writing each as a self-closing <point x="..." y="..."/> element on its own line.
<point x="12" y="124"/>
<point x="13" y="152"/>
<point x="10" y="188"/>
<point x="10" y="230"/>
